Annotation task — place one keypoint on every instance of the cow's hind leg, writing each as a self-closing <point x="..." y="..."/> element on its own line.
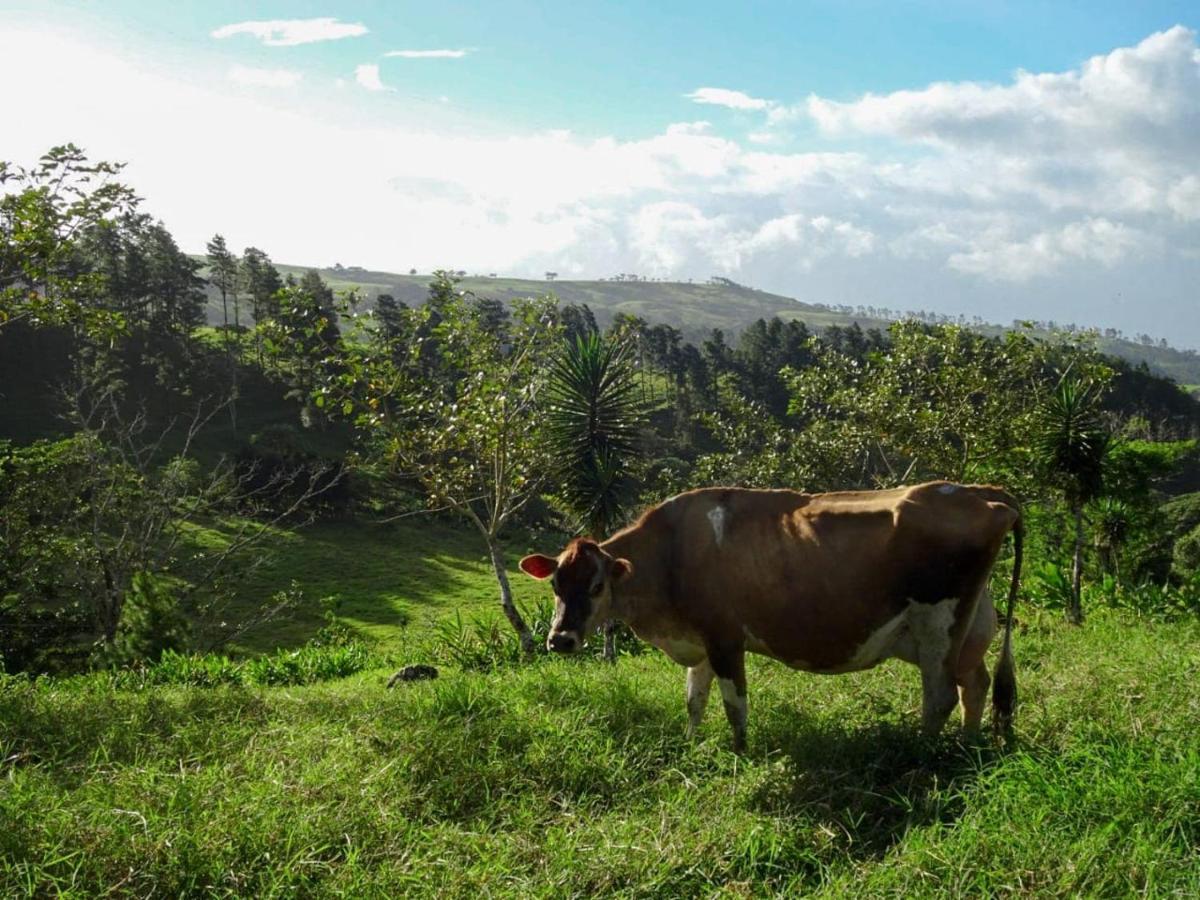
<point x="729" y="665"/>
<point x="931" y="625"/>
<point x="699" y="682"/>
<point x="972" y="691"/>
<point x="971" y="671"/>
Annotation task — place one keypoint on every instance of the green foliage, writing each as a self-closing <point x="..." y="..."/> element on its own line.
<point x="1069" y="438"/>
<point x="301" y="343"/>
<point x="334" y="652"/>
<point x="1185" y="561"/>
<point x="1181" y="514"/>
<point x="152" y="623"/>
<point x="43" y="212"/>
<point x="593" y="414"/>
<point x="1049" y="585"/>
<point x="479" y="643"/>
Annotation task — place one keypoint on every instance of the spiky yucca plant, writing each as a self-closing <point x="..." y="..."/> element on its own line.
<point x="1070" y="442"/>
<point x="592" y="431"/>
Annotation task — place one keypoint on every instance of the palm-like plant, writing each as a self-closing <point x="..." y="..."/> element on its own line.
<point x="1070" y="443"/>
<point x="592" y="430"/>
<point x="592" y="427"/>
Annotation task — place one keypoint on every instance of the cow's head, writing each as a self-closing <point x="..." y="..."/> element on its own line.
<point x="582" y="576"/>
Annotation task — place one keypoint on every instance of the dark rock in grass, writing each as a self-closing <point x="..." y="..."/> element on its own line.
<point x="413" y="673"/>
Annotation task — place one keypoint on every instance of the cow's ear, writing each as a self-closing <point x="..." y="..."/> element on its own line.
<point x="539" y="566"/>
<point x="620" y="569"/>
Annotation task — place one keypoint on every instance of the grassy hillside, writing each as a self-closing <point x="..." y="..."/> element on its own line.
<point x="569" y="777"/>
<point x="695" y="309"/>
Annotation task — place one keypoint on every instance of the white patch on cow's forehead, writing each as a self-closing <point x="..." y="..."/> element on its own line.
<point x="948" y="489"/>
<point x="716" y="515"/>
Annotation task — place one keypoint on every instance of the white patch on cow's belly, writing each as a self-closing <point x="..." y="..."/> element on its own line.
<point x="879" y="645"/>
<point x="683" y="651"/>
<point x="716" y="515"/>
<point x="930" y="626"/>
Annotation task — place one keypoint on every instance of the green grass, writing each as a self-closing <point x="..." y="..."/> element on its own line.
<point x="573" y="778"/>
<point x="392" y="582"/>
<point x="568" y="777"/>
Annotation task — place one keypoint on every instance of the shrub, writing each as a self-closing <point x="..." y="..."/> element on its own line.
<point x="278" y="471"/>
<point x="151" y="623"/>
<point x="332" y="653"/>
<point x="483" y="644"/>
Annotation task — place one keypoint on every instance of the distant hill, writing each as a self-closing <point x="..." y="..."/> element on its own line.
<point x="695" y="309"/>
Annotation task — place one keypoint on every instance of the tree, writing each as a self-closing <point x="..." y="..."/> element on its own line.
<point x="454" y="409"/>
<point x="261" y="280"/>
<point x="389" y="313"/>
<point x="44" y="210"/>
<point x="302" y="342"/>
<point x="1070" y="443"/>
<point x="223" y="274"/>
<point x="92" y="543"/>
<point x="592" y="421"/>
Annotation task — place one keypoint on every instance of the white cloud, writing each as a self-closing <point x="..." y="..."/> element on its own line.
<point x="1139" y="103"/>
<point x="430" y="54"/>
<point x="727" y="98"/>
<point x="291" y="32"/>
<point x="367" y="75"/>
<point x="255" y="77"/>
<point x="1093" y="240"/>
<point x="1184" y="198"/>
<point x="929" y="215"/>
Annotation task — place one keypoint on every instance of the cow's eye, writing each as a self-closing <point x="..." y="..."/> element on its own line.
<point x="597" y="588"/>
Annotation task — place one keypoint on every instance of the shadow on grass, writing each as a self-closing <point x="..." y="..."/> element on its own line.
<point x="868" y="784"/>
<point x="384" y="577"/>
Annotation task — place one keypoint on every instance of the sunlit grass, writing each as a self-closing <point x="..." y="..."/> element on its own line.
<point x="572" y="777"/>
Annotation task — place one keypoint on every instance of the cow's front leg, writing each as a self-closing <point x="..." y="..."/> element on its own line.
<point x="699" y="682"/>
<point x="729" y="665"/>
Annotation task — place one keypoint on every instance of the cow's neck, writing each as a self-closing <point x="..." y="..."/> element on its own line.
<point x="641" y="600"/>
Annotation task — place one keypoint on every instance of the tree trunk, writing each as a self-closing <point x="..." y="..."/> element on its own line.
<point x="506" y="598"/>
<point x="1075" y="611"/>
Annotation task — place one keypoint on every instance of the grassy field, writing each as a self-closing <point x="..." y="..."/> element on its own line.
<point x="567" y="777"/>
<point x="392" y="583"/>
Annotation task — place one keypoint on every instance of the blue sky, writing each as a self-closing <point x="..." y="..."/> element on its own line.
<point x="1008" y="159"/>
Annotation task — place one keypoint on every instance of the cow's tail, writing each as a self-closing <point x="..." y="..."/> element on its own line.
<point x="1004" y="682"/>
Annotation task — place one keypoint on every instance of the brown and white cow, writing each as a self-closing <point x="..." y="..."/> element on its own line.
<point x="827" y="583"/>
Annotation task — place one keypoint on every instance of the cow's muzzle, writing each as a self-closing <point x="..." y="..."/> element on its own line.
<point x="562" y="642"/>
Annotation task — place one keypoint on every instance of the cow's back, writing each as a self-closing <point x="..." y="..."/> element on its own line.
<point x="809" y="578"/>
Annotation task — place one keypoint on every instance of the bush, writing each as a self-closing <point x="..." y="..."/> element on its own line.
<point x="152" y="623"/>
<point x="1160" y="601"/>
<point x="332" y="653"/>
<point x="278" y="470"/>
<point x="487" y="643"/>
<point x="1185" y="560"/>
